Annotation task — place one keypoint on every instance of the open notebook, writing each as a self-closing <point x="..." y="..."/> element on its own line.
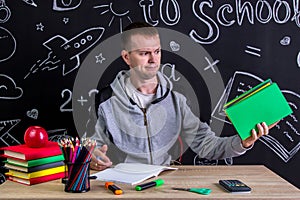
<point x="131" y="173"/>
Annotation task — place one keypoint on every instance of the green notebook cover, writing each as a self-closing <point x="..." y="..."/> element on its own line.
<point x="247" y="93"/>
<point x="267" y="105"/>
<point x="36" y="162"/>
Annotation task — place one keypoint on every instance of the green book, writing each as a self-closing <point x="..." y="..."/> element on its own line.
<point x="263" y="103"/>
<point x="36" y="162"/>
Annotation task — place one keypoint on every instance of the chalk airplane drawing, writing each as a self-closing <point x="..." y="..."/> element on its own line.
<point x="66" y="53"/>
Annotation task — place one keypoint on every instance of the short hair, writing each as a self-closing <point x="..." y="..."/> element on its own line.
<point x="135" y="28"/>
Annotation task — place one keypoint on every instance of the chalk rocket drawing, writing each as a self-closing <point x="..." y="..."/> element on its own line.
<point x="284" y="138"/>
<point x="5" y="137"/>
<point x="8" y="41"/>
<point x="66" y="53"/>
<point x="8" y="88"/>
<point x="62" y="5"/>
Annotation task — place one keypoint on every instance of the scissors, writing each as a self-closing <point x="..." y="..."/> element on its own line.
<point x="195" y="190"/>
<point x="6" y="10"/>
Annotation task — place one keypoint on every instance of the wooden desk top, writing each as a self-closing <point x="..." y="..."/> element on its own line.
<point x="264" y="183"/>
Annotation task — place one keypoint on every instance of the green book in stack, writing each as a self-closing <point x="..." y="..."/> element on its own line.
<point x="263" y="103"/>
<point x="35" y="162"/>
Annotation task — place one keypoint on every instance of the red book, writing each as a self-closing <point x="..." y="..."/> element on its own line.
<point x="37" y="180"/>
<point x="24" y="152"/>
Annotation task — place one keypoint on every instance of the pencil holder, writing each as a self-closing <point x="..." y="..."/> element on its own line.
<point x="77" y="177"/>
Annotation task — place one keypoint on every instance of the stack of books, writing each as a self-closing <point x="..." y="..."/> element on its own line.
<point x="31" y="166"/>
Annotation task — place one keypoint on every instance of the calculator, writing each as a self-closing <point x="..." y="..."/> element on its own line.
<point x="235" y="186"/>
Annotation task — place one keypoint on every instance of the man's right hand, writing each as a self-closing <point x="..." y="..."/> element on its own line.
<point x="102" y="163"/>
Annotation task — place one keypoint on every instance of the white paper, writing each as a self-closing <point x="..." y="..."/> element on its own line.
<point x="131" y="173"/>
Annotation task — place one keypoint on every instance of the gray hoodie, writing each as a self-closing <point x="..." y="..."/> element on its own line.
<point x="147" y="135"/>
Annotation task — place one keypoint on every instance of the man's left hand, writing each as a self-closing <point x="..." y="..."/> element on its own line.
<point x="263" y="129"/>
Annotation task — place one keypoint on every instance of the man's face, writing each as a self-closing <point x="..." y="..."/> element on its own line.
<point x="144" y="56"/>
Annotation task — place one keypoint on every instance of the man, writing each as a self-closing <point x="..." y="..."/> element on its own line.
<point x="141" y="116"/>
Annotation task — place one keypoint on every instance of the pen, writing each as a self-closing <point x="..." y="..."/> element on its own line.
<point x="157" y="182"/>
<point x="112" y="187"/>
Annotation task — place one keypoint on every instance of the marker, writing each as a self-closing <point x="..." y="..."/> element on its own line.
<point x="112" y="187"/>
<point x="157" y="182"/>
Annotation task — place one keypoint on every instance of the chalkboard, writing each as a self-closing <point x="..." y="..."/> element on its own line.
<point x="212" y="52"/>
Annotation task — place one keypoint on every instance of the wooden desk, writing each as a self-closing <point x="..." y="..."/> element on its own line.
<point x="264" y="183"/>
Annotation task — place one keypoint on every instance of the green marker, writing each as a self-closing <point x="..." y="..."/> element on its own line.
<point x="155" y="183"/>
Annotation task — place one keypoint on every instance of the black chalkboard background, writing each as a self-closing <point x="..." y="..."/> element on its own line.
<point x="247" y="42"/>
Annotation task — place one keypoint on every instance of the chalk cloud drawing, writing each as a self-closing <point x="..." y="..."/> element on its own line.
<point x="5" y="12"/>
<point x="8" y="88"/>
<point x="65" y="5"/>
<point x="8" y="41"/>
<point x="30" y="2"/>
<point x="284" y="138"/>
<point x="66" y="53"/>
<point x="285" y="41"/>
<point x="6" y="138"/>
<point x="34" y="113"/>
<point x="115" y="14"/>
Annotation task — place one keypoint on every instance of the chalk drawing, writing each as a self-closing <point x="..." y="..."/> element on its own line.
<point x="40" y="27"/>
<point x="30" y="2"/>
<point x="147" y="5"/>
<point x="68" y="101"/>
<point x="8" y="41"/>
<point x="174" y="46"/>
<point x="211" y="65"/>
<point x="285" y="41"/>
<point x="115" y="14"/>
<point x="5" y="136"/>
<point x="57" y="134"/>
<point x="33" y="113"/>
<point x="5" y="12"/>
<point x="99" y="58"/>
<point x="253" y="50"/>
<point x="65" y="5"/>
<point x="169" y="11"/>
<point x="66" y="53"/>
<point x="8" y="88"/>
<point x="164" y="7"/>
<point x="298" y="59"/>
<point x="66" y="20"/>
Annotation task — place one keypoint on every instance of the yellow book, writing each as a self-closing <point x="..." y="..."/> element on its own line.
<point x="37" y="173"/>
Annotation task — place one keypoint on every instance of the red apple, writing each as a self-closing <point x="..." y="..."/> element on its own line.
<point x="35" y="137"/>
